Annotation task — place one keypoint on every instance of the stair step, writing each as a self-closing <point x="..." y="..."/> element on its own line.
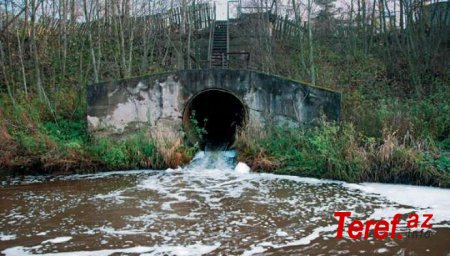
<point x="219" y="45"/>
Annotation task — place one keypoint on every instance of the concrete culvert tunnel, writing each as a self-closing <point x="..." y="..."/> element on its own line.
<point x="212" y="118"/>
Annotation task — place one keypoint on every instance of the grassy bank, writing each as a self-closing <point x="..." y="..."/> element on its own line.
<point x="388" y="141"/>
<point x="33" y="143"/>
<point x="390" y="144"/>
<point x="396" y="141"/>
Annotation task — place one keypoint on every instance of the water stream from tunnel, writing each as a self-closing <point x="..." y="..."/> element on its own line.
<point x="213" y="206"/>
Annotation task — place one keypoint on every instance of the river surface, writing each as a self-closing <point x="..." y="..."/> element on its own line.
<point x="208" y="208"/>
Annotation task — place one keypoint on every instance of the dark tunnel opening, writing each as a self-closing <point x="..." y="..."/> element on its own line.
<point x="213" y="117"/>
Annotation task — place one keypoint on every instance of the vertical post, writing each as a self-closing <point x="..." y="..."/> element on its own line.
<point x="239" y="9"/>
<point x="223" y="59"/>
<point x="212" y="24"/>
<point x="228" y="24"/>
<point x="228" y="29"/>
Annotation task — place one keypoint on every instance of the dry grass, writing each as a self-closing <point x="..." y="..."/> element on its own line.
<point x="251" y="152"/>
<point x="340" y="152"/>
<point x="171" y="148"/>
<point x="390" y="143"/>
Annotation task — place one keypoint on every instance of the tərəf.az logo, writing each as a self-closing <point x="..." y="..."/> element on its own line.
<point x="382" y="228"/>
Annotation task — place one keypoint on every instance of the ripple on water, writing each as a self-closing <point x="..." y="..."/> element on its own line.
<point x="207" y="207"/>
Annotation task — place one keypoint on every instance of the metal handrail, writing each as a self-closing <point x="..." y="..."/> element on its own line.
<point x="228" y="22"/>
<point x="211" y="36"/>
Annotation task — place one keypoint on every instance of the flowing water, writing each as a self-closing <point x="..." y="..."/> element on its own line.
<point x="207" y="208"/>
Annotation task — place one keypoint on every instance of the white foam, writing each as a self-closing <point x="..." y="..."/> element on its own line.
<point x="209" y="194"/>
<point x="281" y="233"/>
<point x="112" y="231"/>
<point x="58" y="240"/>
<point x="24" y="180"/>
<point x="314" y="235"/>
<point x="254" y="250"/>
<point x="5" y="237"/>
<point x="114" y="195"/>
<point x="381" y="250"/>
<point x="189" y="250"/>
<point x="177" y="170"/>
<point x="242" y="168"/>
<point x="423" y="199"/>
<point x="260" y="248"/>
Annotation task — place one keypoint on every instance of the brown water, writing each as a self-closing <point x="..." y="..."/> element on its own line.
<point x="196" y="211"/>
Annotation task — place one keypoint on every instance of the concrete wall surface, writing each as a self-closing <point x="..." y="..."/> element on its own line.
<point x="118" y="108"/>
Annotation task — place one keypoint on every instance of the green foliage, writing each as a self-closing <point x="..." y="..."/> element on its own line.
<point x="32" y="144"/>
<point x="341" y="152"/>
<point x="38" y="139"/>
<point x="137" y="151"/>
<point x="112" y="154"/>
<point x="66" y="130"/>
<point x="389" y="132"/>
<point x="427" y="118"/>
<point x="445" y="144"/>
<point x="320" y="152"/>
<point x="196" y="127"/>
<point x="141" y="148"/>
<point x="441" y="162"/>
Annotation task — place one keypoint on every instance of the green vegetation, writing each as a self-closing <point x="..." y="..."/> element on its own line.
<point x="197" y="129"/>
<point x="381" y="141"/>
<point x="394" y="79"/>
<point x="33" y="144"/>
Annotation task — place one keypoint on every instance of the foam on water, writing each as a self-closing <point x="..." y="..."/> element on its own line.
<point x="423" y="199"/>
<point x="189" y="250"/>
<point x="58" y="240"/>
<point x="5" y="237"/>
<point x="242" y="168"/>
<point x="188" y="211"/>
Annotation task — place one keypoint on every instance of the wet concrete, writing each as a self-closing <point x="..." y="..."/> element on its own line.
<point x="158" y="102"/>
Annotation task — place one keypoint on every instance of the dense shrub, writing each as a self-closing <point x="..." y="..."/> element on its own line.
<point x="341" y="152"/>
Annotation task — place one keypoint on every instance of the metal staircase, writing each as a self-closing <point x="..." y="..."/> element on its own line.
<point x="220" y="44"/>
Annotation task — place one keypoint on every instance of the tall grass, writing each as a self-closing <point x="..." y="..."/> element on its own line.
<point x="339" y="151"/>
<point x="32" y="142"/>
